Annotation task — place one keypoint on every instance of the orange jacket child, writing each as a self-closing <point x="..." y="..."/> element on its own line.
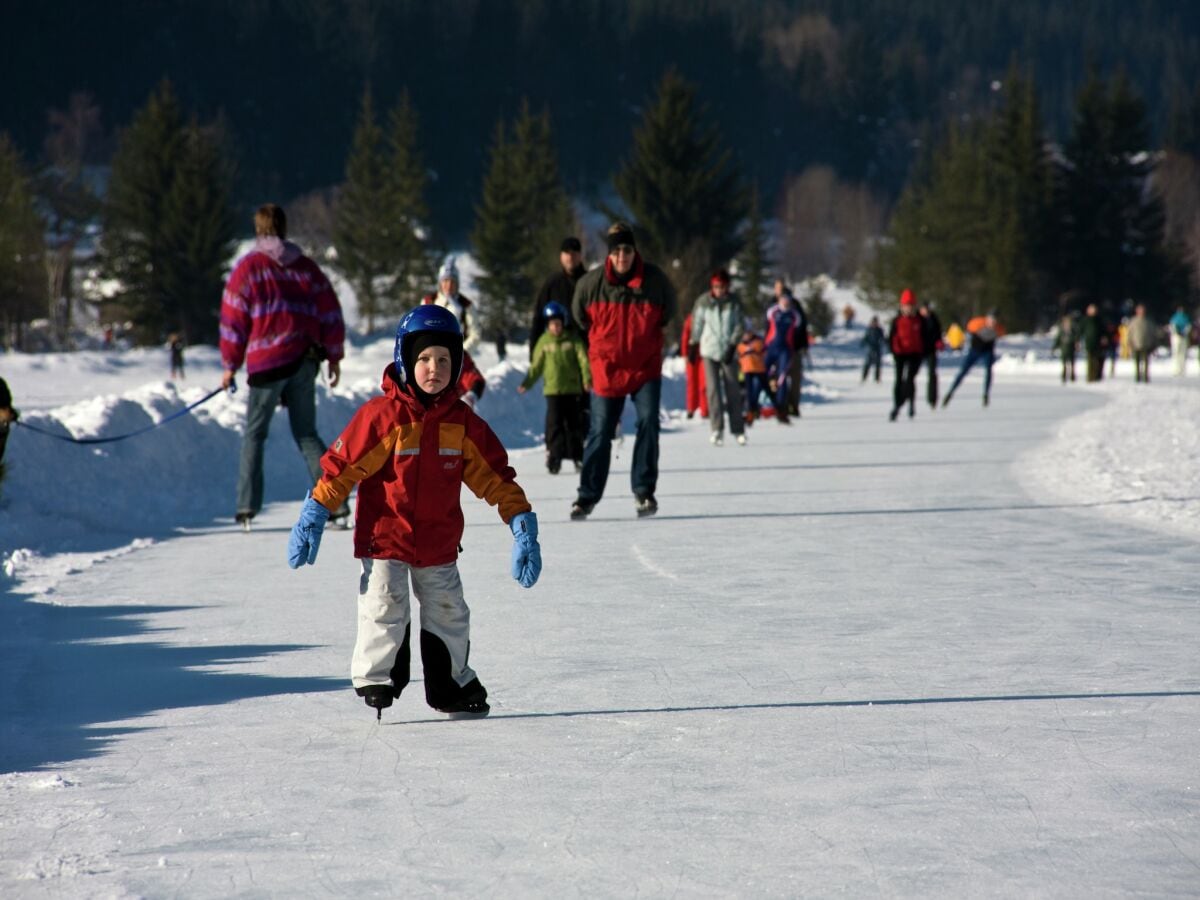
<point x="752" y="355"/>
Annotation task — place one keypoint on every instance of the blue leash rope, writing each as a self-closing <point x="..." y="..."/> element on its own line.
<point x="121" y="437"/>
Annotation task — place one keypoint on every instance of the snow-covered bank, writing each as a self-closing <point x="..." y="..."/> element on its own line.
<point x="1137" y="456"/>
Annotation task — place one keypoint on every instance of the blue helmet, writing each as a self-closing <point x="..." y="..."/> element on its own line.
<point x="555" y="310"/>
<point x="428" y="319"/>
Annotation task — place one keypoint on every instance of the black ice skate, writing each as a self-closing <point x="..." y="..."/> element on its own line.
<point x="472" y="701"/>
<point x="377" y="696"/>
<point x="581" y="509"/>
<point x="646" y="506"/>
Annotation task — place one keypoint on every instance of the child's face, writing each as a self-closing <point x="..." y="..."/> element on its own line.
<point x="432" y="369"/>
<point x="555" y="327"/>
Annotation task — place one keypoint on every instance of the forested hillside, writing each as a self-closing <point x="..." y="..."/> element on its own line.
<point x="792" y="84"/>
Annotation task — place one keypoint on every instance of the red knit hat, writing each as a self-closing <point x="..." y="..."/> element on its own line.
<point x="719" y="277"/>
<point x="907" y="298"/>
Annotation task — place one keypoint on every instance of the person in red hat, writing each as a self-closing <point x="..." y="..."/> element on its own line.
<point x="716" y="329"/>
<point x="907" y="341"/>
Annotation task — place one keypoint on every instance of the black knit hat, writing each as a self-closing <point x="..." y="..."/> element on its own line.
<point x="424" y="339"/>
<point x="620" y="233"/>
<point x="571" y="245"/>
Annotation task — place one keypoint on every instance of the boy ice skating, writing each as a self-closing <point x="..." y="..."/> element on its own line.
<point x="560" y="356"/>
<point x="410" y="451"/>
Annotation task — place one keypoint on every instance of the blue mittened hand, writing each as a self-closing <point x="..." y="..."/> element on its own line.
<point x="305" y="538"/>
<point x="526" y="554"/>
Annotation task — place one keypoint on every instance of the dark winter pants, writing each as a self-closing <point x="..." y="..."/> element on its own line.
<point x="931" y="388"/>
<point x="1141" y="365"/>
<point x="795" y="380"/>
<point x="597" y="452"/>
<point x="756" y="383"/>
<point x="905" y="389"/>
<point x="1068" y="368"/>
<point x="974" y="356"/>
<point x="874" y="359"/>
<point x="1095" y="365"/>
<point x="299" y="394"/>
<point x="724" y="396"/>
<point x="779" y="362"/>
<point x="567" y="417"/>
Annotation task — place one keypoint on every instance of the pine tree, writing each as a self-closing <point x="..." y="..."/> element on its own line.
<point x="1111" y="225"/>
<point x="754" y="262"/>
<point x="520" y="223"/>
<point x="413" y="268"/>
<point x="22" y="252"/>
<point x="134" y="248"/>
<point x="501" y="239"/>
<point x="684" y="192"/>
<point x="548" y="214"/>
<point x="198" y="233"/>
<point x="365" y="233"/>
<point x="1019" y="208"/>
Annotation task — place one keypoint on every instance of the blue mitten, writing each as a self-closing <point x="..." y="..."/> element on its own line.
<point x="526" y="554"/>
<point x="305" y="538"/>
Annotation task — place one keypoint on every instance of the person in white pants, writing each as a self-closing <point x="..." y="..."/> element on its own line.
<point x="1181" y="329"/>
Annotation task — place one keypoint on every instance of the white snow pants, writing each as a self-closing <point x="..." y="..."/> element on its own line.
<point x="1179" y="349"/>
<point x="383" y="623"/>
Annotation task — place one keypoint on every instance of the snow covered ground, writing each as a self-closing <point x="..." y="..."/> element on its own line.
<point x="950" y="656"/>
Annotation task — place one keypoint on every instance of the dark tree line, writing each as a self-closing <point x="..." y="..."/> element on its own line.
<point x="1000" y="218"/>
<point x="792" y="83"/>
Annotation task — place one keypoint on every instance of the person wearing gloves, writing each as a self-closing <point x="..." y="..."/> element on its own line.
<point x="716" y="329"/>
<point x="560" y="357"/>
<point x="410" y="451"/>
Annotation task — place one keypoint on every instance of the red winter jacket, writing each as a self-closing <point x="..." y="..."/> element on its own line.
<point x="277" y="304"/>
<point x="624" y="322"/>
<point x="906" y="335"/>
<point x="410" y="464"/>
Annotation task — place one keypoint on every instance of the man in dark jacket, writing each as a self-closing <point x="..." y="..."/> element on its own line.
<point x="931" y="334"/>
<point x="1093" y="333"/>
<point x="624" y="306"/>
<point x="558" y="288"/>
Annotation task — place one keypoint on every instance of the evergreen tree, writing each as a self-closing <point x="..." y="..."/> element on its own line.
<point x="1020" y="199"/>
<point x="1111" y="225"/>
<point x="684" y="192"/>
<point x="969" y="233"/>
<point x="366" y="234"/>
<point x="502" y="241"/>
<point x="938" y="236"/>
<point x="754" y="262"/>
<point x="22" y="252"/>
<point x="548" y="214"/>
<point x="198" y="234"/>
<point x="520" y="223"/>
<point x="134" y="249"/>
<point x="413" y="268"/>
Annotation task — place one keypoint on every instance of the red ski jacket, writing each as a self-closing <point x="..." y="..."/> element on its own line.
<point x="624" y="322"/>
<point x="410" y="464"/>
<point x="906" y="337"/>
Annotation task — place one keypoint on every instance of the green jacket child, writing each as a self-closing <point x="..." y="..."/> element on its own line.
<point x="561" y="357"/>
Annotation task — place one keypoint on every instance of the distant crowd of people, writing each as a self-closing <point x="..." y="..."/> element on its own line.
<point x="1134" y="336"/>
